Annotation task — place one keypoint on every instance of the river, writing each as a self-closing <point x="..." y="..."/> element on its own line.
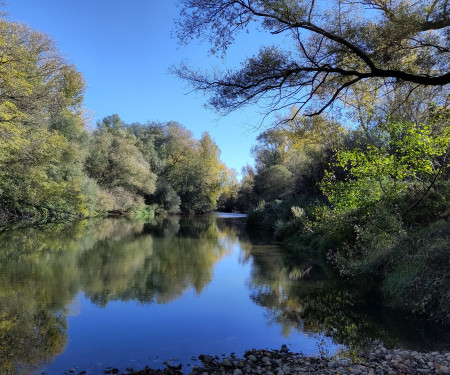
<point x="124" y="293"/>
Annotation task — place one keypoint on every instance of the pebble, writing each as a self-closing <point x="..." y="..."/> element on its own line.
<point x="380" y="361"/>
<point x="227" y="363"/>
<point x="377" y="362"/>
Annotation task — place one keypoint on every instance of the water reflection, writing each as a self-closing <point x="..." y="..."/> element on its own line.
<point x="42" y="270"/>
<point x="155" y="264"/>
<point x="306" y="295"/>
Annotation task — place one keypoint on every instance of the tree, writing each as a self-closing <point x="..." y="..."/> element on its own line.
<point x="213" y="173"/>
<point x="227" y="199"/>
<point x="246" y="198"/>
<point x="273" y="182"/>
<point x="118" y="165"/>
<point x="336" y="45"/>
<point x="40" y="122"/>
<point x="272" y="149"/>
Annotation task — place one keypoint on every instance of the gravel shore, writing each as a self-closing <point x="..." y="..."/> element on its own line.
<point x="284" y="362"/>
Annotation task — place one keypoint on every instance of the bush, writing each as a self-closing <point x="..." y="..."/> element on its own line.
<point x="419" y="273"/>
<point x="146" y="213"/>
<point x="271" y="215"/>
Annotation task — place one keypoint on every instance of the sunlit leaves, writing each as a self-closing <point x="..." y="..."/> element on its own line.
<point x="408" y="154"/>
<point x="40" y="110"/>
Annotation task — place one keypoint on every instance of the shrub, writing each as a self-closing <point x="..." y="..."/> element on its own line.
<point x="419" y="273"/>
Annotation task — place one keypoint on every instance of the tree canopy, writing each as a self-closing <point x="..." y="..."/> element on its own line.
<point x="337" y="46"/>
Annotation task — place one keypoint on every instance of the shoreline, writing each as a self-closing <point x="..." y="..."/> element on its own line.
<point x="379" y="361"/>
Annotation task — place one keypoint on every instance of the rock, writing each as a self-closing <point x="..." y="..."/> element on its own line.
<point x="282" y="362"/>
<point x="266" y="360"/>
<point x="111" y="370"/>
<point x="226" y="363"/>
<point x="205" y="358"/>
<point x="332" y="364"/>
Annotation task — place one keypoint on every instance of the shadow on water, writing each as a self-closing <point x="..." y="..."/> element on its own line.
<point x="43" y="269"/>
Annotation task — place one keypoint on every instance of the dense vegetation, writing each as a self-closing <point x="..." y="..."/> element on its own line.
<point x="52" y="166"/>
<point x="358" y="172"/>
<point x="376" y="205"/>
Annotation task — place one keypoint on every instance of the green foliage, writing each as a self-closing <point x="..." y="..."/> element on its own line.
<point x="383" y="186"/>
<point x="166" y="197"/>
<point x="119" y="167"/>
<point x="246" y="199"/>
<point x="419" y="277"/>
<point x="373" y="200"/>
<point x="191" y="175"/>
<point x="273" y="182"/>
<point x="408" y="153"/>
<point x="147" y="213"/>
<point x="40" y="162"/>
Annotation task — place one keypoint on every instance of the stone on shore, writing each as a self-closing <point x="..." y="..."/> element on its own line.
<point x="380" y="361"/>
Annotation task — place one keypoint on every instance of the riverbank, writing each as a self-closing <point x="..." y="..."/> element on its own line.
<point x="283" y="362"/>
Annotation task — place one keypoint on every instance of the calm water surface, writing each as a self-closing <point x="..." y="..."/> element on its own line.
<point x="123" y="293"/>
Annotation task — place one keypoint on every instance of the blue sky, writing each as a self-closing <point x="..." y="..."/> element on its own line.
<point x="124" y="49"/>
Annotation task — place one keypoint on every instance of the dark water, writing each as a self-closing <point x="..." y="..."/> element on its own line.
<point x="121" y="293"/>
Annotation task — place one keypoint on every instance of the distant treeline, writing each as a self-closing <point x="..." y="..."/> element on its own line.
<point x="52" y="166"/>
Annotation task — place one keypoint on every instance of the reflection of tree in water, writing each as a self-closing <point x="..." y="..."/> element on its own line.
<point x="157" y="265"/>
<point x="36" y="282"/>
<point x="303" y="295"/>
<point x="42" y="270"/>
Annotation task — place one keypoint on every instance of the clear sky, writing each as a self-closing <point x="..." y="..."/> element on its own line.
<point x="124" y="48"/>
